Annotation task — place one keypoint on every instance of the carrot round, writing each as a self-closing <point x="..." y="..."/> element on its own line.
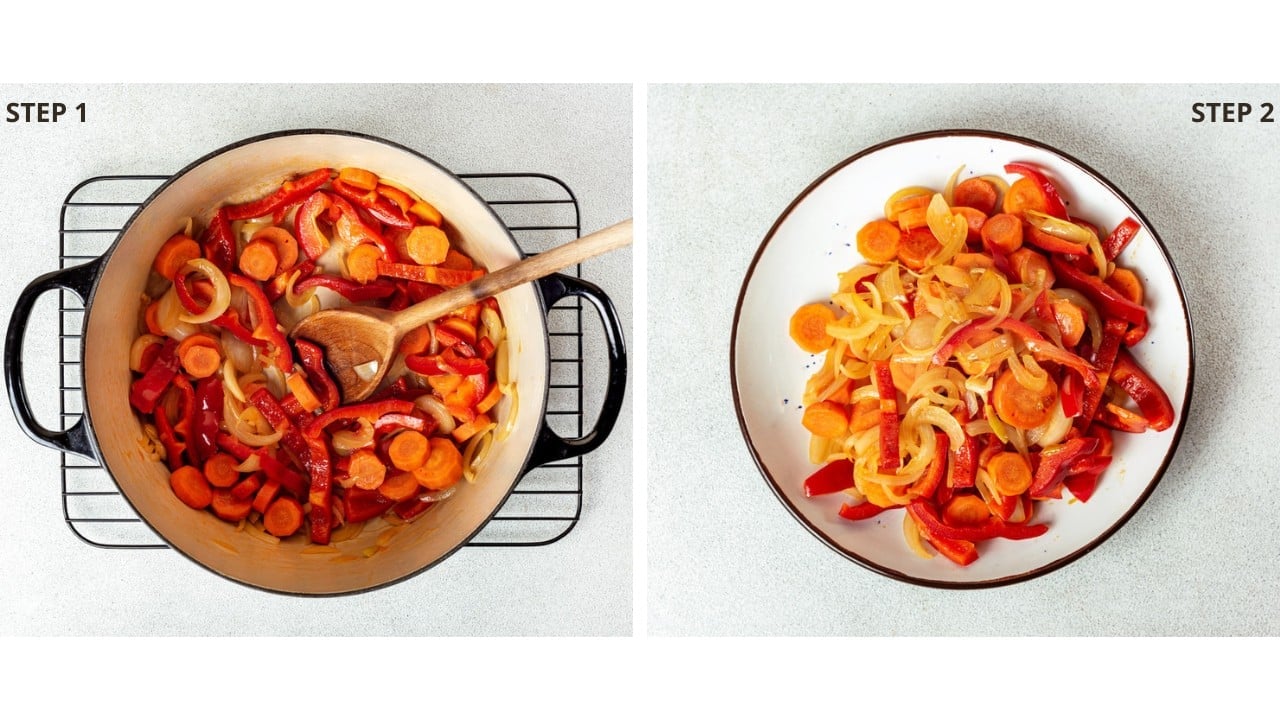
<point x="399" y="486"/>
<point x="417" y="340"/>
<point x="455" y="260"/>
<point x="427" y="245"/>
<point x="362" y="262"/>
<point x="977" y="194"/>
<point x="200" y="355"/>
<point x="443" y="467"/>
<point x="286" y="245"/>
<point x="283" y="517"/>
<point x="175" y="253"/>
<point x="975" y="219"/>
<point x="1070" y="320"/>
<point x="866" y="415"/>
<point x="825" y="419"/>
<point x="190" y="486"/>
<point x="408" y="450"/>
<point x="1025" y="194"/>
<point x="916" y="247"/>
<point x="1021" y="406"/>
<point x="151" y="317"/>
<point x="966" y="510"/>
<point x="228" y="507"/>
<point x="878" y="241"/>
<point x="367" y="469"/>
<point x="1002" y="232"/>
<point x="220" y="470"/>
<point x="1010" y="472"/>
<point x="1027" y="264"/>
<point x="809" y="327"/>
<point x="260" y="260"/>
<point x="265" y="495"/>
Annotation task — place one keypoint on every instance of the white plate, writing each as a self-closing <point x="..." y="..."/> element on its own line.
<point x="797" y="263"/>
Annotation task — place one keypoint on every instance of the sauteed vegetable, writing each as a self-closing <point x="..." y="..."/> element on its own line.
<point x="976" y="363"/>
<point x="250" y="422"/>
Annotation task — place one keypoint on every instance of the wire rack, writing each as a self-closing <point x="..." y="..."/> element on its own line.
<point x="541" y="212"/>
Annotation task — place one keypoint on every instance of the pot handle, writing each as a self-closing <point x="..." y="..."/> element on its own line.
<point x="550" y="447"/>
<point x="79" y="280"/>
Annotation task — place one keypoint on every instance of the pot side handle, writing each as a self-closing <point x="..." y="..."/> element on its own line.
<point x="79" y="280"/>
<point x="550" y="447"/>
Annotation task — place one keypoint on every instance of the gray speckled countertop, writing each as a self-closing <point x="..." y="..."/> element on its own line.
<point x="53" y="584"/>
<point x="1200" y="558"/>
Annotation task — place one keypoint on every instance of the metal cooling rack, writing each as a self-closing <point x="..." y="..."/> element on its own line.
<point x="541" y="212"/>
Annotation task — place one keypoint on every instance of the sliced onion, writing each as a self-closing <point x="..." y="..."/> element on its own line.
<point x="850" y="278"/>
<point x="903" y="194"/>
<point x="1059" y="228"/>
<point x="432" y="406"/>
<point x="914" y="541"/>
<point x="476" y="452"/>
<point x="231" y="382"/>
<point x="293" y="299"/>
<point x="169" y="316"/>
<point x="492" y="325"/>
<point x="367" y="371"/>
<point x="346" y="442"/>
<point x="439" y="495"/>
<point x="276" y="382"/>
<point x="1054" y="430"/>
<point x="950" y="229"/>
<point x="244" y="431"/>
<point x="502" y="364"/>
<point x="139" y="348"/>
<point x="949" y="192"/>
<point x="239" y="352"/>
<point x="1028" y="372"/>
<point x="221" y="291"/>
<point x="253" y="463"/>
<point x="509" y="391"/>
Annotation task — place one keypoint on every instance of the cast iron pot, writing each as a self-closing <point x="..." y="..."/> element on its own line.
<point x="109" y="430"/>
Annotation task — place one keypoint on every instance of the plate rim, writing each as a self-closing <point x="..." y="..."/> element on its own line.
<point x="1008" y="579"/>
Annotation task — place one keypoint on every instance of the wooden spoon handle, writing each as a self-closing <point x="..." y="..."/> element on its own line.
<point x="538" y="266"/>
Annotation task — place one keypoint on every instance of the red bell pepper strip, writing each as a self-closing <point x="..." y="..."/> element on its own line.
<point x="360" y="505"/>
<point x="1119" y="238"/>
<point x="1054" y="463"/>
<point x="1122" y="419"/>
<point x="208" y="418"/>
<point x="1055" y="206"/>
<point x="173" y="447"/>
<point x="401" y="420"/>
<point x="958" y="337"/>
<point x="960" y="552"/>
<point x="247" y="487"/>
<point x="278" y="472"/>
<point x="230" y="321"/>
<point x="1044" y="310"/>
<point x="1071" y="390"/>
<point x="926" y="518"/>
<point x="218" y="242"/>
<point x="266" y="328"/>
<point x="353" y="230"/>
<point x="1044" y="350"/>
<point x="425" y="364"/>
<point x="187" y="423"/>
<point x="312" y="359"/>
<point x="447" y="277"/>
<point x="1104" y="359"/>
<point x="1082" y="486"/>
<point x="233" y="447"/>
<point x="349" y="289"/>
<point x="1148" y="394"/>
<point x="310" y="239"/>
<point x="370" y="411"/>
<point x="412" y="508"/>
<point x="889" y="460"/>
<point x="275" y="414"/>
<point x="145" y="392"/>
<point x="461" y="359"/>
<point x="185" y="296"/>
<point x="830" y="478"/>
<point x="1109" y="301"/>
<point x="321" y="494"/>
<point x="289" y="192"/>
<point x="861" y="511"/>
<point x="378" y="206"/>
<point x="937" y="469"/>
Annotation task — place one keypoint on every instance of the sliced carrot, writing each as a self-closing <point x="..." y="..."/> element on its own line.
<point x="220" y="470"/>
<point x="1025" y="194"/>
<point x="367" y="469"/>
<point x="362" y="262"/>
<point x="966" y="510"/>
<point x="915" y="202"/>
<point x="200" y="355"/>
<point x="443" y="467"/>
<point x="259" y="260"/>
<point x="969" y="261"/>
<point x="456" y="260"/>
<point x="265" y="495"/>
<point x="1010" y="472"/>
<point x="151" y="317"/>
<point x="916" y="247"/>
<point x="1027" y="264"/>
<point x="286" y="245"/>
<point x="400" y="486"/>
<point x="977" y="194"/>
<point x="975" y="219"/>
<point x="1126" y="283"/>
<point x="175" y="253"/>
<point x="826" y="419"/>
<point x="913" y="218"/>
<point x="301" y="390"/>
<point x="427" y="213"/>
<point x="1002" y="232"/>
<point x="444" y="385"/>
<point x="227" y="507"/>
<point x="469" y="429"/>
<point x="866" y="415"/>
<point x="1021" y="406"/>
<point x="416" y="341"/>
<point x="490" y="399"/>
<point x="1071" y="321"/>
<point x="191" y="487"/>
<point x="358" y="178"/>
<point x="427" y="245"/>
<point x="408" y="450"/>
<point x="247" y="488"/>
<point x="809" y="327"/>
<point x="878" y="241"/>
<point x="283" y="517"/>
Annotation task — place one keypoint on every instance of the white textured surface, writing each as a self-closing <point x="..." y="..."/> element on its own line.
<point x="52" y="583"/>
<point x="1200" y="558"/>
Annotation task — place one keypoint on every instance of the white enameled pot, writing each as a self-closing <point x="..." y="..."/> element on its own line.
<point x="109" y="431"/>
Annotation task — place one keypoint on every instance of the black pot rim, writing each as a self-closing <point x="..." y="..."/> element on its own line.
<point x="830" y="542"/>
<point x="105" y="258"/>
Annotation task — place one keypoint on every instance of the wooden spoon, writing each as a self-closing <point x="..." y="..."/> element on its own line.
<point x="357" y="335"/>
